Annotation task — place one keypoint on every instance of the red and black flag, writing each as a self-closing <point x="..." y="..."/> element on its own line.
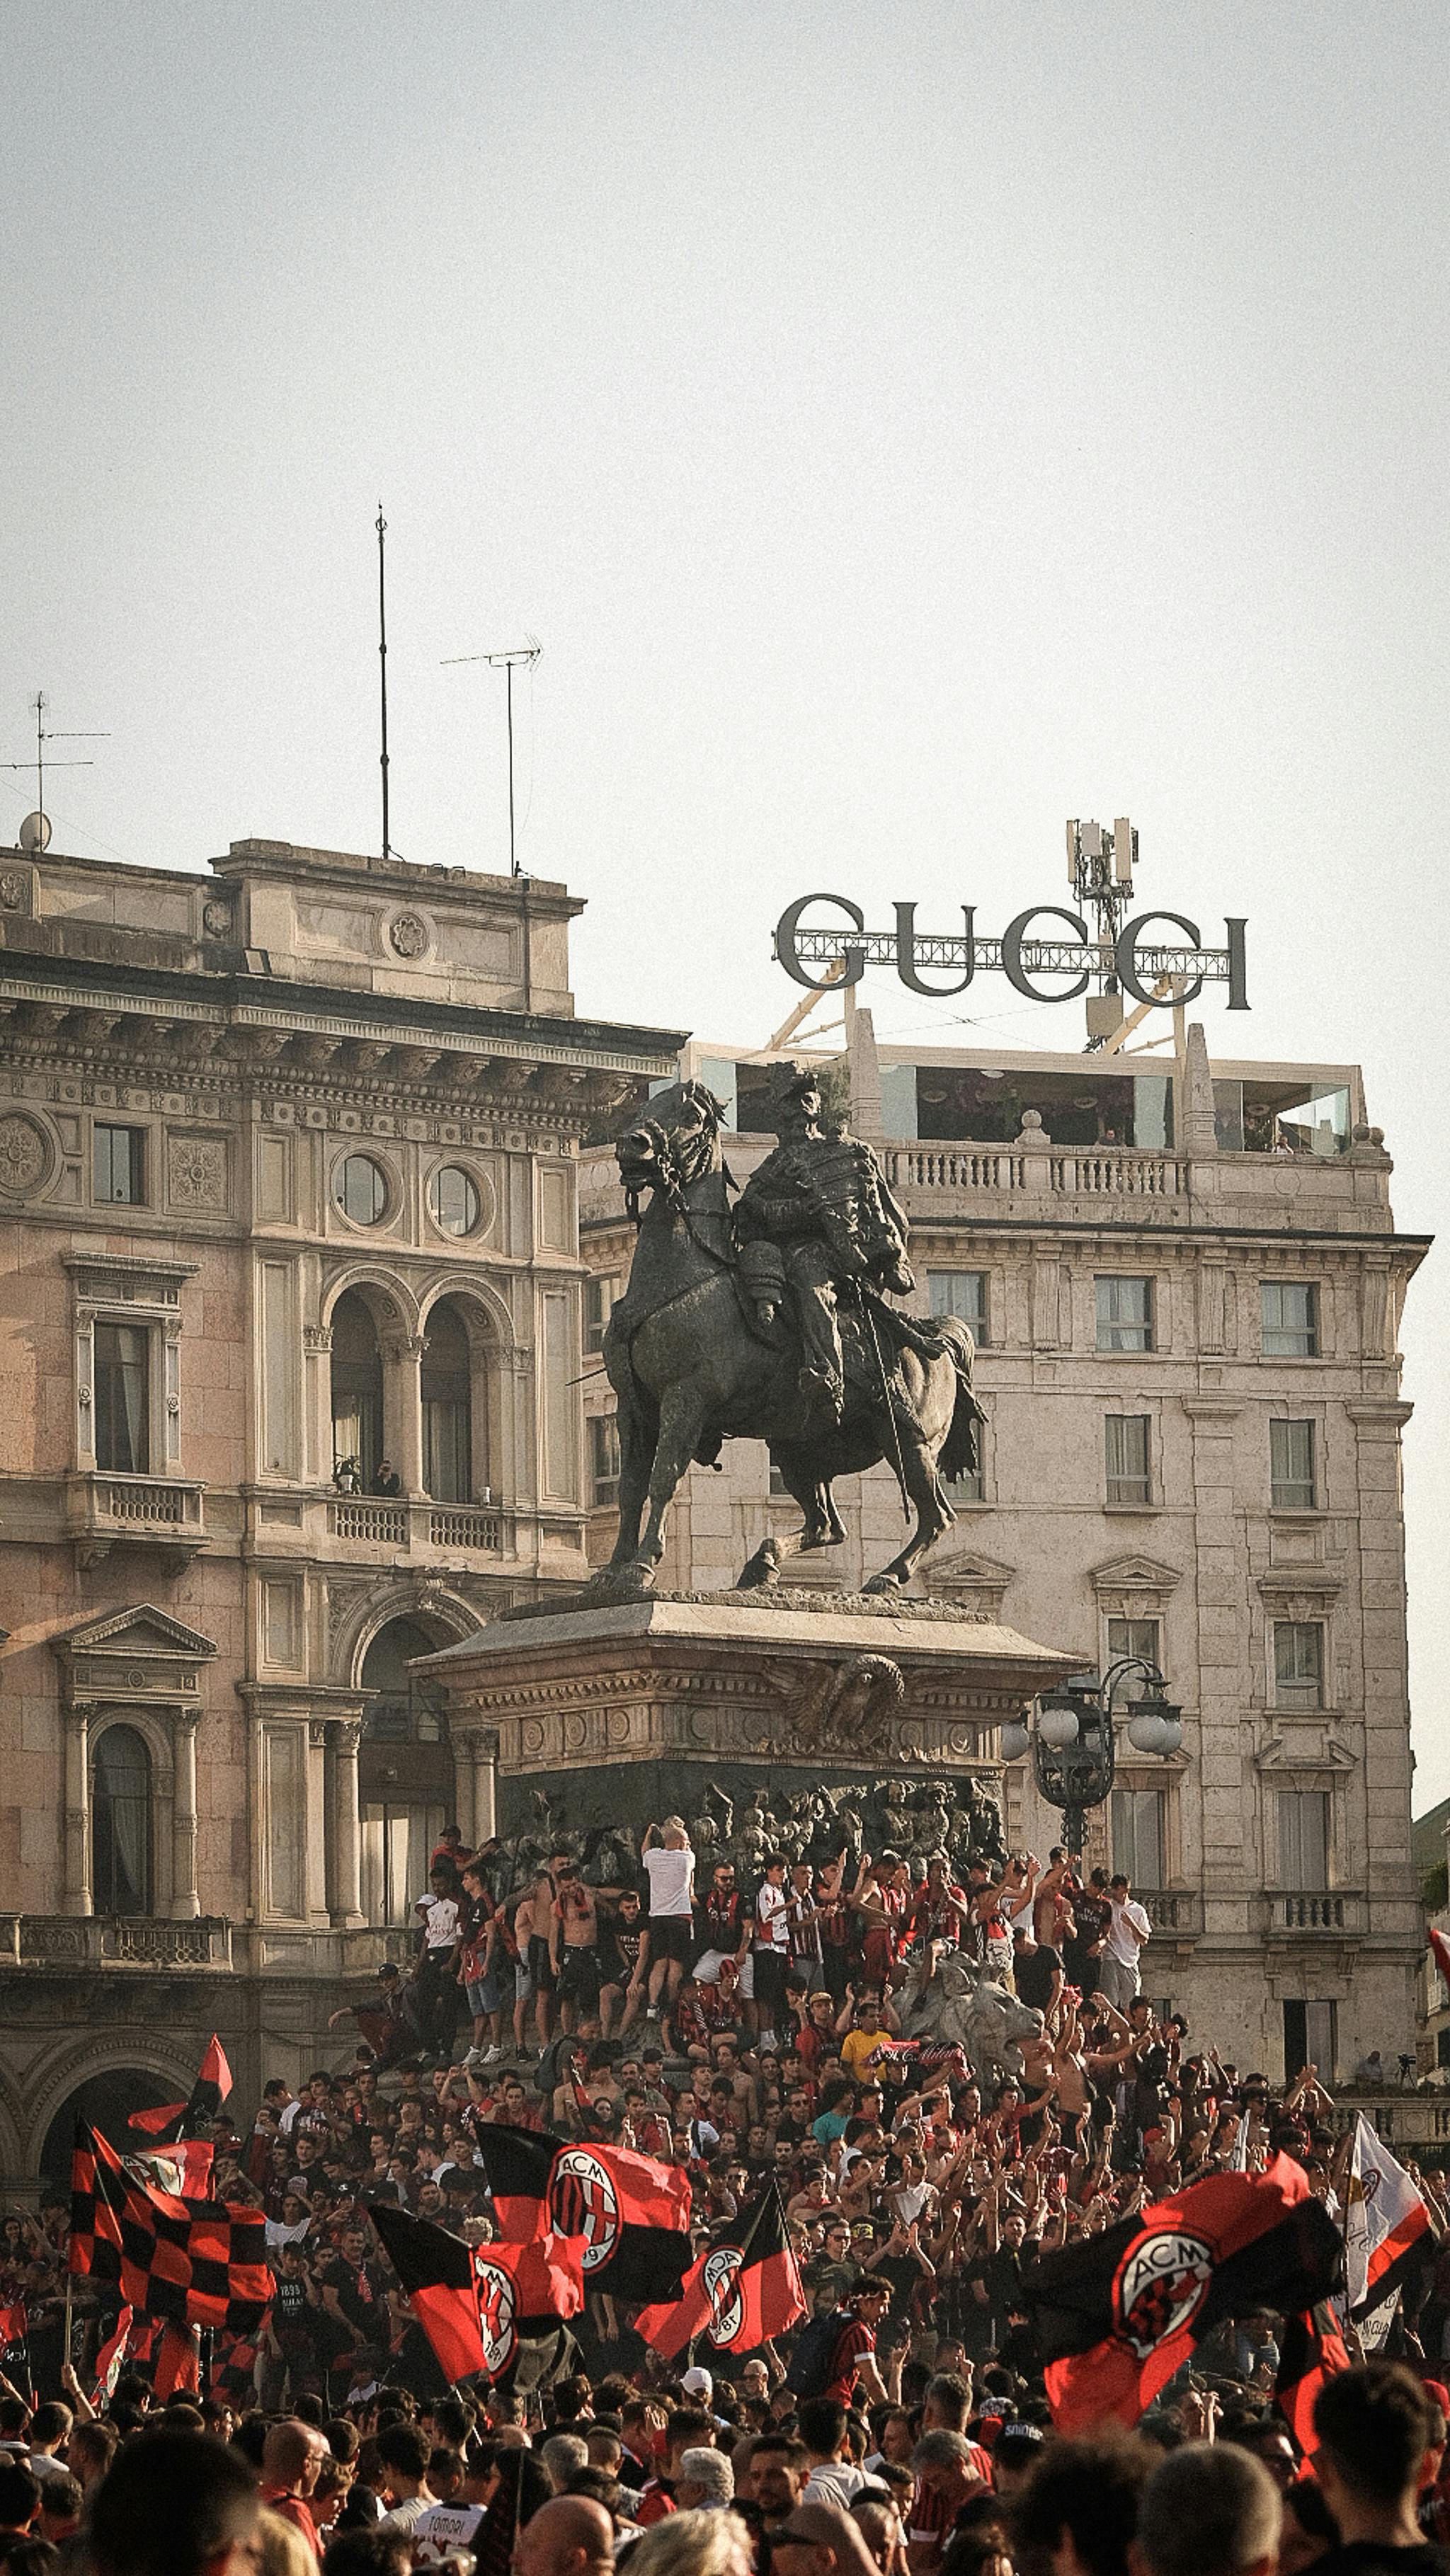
<point x="188" y="2262"/>
<point x="1311" y="2350"/>
<point x="479" y="2305"/>
<point x="178" y="2362"/>
<point x="1116" y="2315"/>
<point x="213" y="2084"/>
<point x="183" y="2169"/>
<point x="631" y="2214"/>
<point x="110" y="2358"/>
<point x="743" y="2290"/>
<point x="15" y="2344"/>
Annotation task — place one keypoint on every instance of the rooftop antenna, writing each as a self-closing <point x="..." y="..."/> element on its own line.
<point x="522" y="656"/>
<point x="383" y="669"/>
<point x="39" y="822"/>
<point x="1100" y="868"/>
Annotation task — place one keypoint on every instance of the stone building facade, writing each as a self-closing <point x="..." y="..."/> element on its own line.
<point x="1186" y="1284"/>
<point x="288" y="1176"/>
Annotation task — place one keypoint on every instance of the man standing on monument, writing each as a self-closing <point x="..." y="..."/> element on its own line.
<point x="821" y="1199"/>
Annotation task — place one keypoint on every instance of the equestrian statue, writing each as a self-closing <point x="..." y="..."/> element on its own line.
<point x="768" y="1320"/>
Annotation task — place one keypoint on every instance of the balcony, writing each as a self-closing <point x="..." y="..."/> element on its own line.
<point x="114" y="1941"/>
<point x="1323" y="1914"/>
<point x="106" y="1510"/>
<point x="410" y="1528"/>
<point x="1176" y="1913"/>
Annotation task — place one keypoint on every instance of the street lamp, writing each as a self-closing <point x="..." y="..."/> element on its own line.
<point x="1072" y="1742"/>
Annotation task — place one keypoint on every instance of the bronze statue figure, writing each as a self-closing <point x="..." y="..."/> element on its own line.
<point x="769" y="1323"/>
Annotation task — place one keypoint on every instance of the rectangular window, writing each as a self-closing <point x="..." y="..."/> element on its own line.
<point x="1138" y="1835"/>
<point x="1126" y="1453"/>
<point x="1138" y="1637"/>
<point x="599" y="1297"/>
<point x="1291" y="1466"/>
<point x="1290" y="1320"/>
<point x="603" y="1458"/>
<point x="122" y="1399"/>
<point x="1304" y="1841"/>
<point x="962" y="1293"/>
<point x="119" y="1165"/>
<point x="1310" y="2038"/>
<point x="1125" y="1314"/>
<point x="1298" y="1663"/>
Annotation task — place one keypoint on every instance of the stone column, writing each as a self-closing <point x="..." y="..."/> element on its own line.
<point x="317" y="1345"/>
<point x="76" y="1897"/>
<point x="347" y="1913"/>
<point x="185" y="1902"/>
<point x="484" y="1749"/>
<point x="404" y="1357"/>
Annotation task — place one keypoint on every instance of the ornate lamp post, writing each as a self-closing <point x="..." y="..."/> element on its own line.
<point x="1072" y="1741"/>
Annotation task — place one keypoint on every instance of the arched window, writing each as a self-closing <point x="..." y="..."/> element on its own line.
<point x="121" y="1823"/>
<point x="357" y="1386"/>
<point x="405" y="1773"/>
<point x="447" y="1407"/>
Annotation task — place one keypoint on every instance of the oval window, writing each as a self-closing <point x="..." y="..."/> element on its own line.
<point x="455" y="1200"/>
<point x="361" y="1189"/>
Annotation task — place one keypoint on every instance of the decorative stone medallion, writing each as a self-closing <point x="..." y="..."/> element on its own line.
<point x="196" y="1171"/>
<point x="408" y="934"/>
<point x="24" y="1155"/>
<point x="216" y="917"/>
<point x="14" y="886"/>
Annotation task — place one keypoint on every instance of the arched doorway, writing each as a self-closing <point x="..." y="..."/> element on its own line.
<point x="447" y="1392"/>
<point x="357" y="1386"/>
<point x="104" y="2102"/>
<point x="405" y="1773"/>
<point x="121" y="1828"/>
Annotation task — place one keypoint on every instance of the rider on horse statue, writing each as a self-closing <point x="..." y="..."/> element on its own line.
<point x="821" y="1201"/>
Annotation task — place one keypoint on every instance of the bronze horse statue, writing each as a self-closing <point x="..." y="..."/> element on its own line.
<point x="693" y="1365"/>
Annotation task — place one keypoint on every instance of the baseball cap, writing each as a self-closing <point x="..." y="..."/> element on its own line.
<point x="698" y="2383"/>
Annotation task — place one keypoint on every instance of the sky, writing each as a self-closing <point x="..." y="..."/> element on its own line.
<point x="902" y="426"/>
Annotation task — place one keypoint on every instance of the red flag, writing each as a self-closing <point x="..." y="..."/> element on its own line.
<point x="153" y="2122"/>
<point x="110" y="2358"/>
<point x="1116" y="2315"/>
<point x="213" y="2084"/>
<point x="183" y="2169"/>
<point x="1311" y="2350"/>
<point x="742" y="2290"/>
<point x="632" y="2214"/>
<point x="178" y="2363"/>
<point x="476" y="2304"/>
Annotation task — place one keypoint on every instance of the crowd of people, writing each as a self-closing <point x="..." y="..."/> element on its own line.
<point x="745" y="2037"/>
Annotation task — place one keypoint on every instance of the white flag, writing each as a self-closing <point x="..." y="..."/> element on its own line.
<point x="1385" y="2219"/>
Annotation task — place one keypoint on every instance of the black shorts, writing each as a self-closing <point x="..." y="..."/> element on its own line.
<point x="541" y="1966"/>
<point x="579" y="1977"/>
<point x="770" y="1976"/>
<point x="672" y="1936"/>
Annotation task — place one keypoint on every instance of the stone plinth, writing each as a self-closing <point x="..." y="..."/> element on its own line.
<point x="618" y="1712"/>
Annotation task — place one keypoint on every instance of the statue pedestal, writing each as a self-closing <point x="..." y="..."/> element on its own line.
<point x="832" y="1716"/>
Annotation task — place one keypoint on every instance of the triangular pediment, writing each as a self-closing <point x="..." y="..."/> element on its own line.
<point x="973" y="1569"/>
<point x="139" y="1629"/>
<point x="1135" y="1572"/>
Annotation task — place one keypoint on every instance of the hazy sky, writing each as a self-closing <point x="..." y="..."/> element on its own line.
<point x="904" y="426"/>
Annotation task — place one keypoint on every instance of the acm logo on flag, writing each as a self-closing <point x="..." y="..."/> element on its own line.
<point x="1161" y="2285"/>
<point x="497" y="2308"/>
<point x="722" y="2288"/>
<point x="583" y="2202"/>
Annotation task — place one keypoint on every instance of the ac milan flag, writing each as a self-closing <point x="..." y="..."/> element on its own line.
<point x="479" y="2304"/>
<point x="1311" y="2350"/>
<point x="1116" y="2315"/>
<point x="632" y="2215"/>
<point x="743" y="2290"/>
<point x="213" y="2084"/>
<point x="110" y="2357"/>
<point x="189" y="2262"/>
<point x="183" y="2169"/>
<point x="1440" y="1953"/>
<point x="1389" y="2234"/>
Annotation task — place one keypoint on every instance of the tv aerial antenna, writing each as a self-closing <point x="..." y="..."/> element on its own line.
<point x="35" y="830"/>
<point x="519" y="657"/>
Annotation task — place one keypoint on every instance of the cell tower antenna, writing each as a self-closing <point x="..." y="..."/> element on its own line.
<point x="43" y="735"/>
<point x="519" y="657"/>
<point x="1100" y="866"/>
<point x="383" y="669"/>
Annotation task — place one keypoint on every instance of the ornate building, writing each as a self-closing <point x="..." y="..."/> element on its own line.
<point x="1185" y="1282"/>
<point x="289" y="1396"/>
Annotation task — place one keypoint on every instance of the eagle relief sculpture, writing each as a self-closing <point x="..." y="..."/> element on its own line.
<point x="769" y="1320"/>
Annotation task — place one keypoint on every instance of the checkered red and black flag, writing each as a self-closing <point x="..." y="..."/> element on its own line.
<point x="191" y="2262"/>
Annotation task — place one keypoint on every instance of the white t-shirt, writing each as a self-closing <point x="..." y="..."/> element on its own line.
<point x="1121" y="1944"/>
<point x="444" y="2527"/>
<point x="406" y="2517"/>
<point x="439" y="1918"/>
<point x="834" y="2482"/>
<point x="772" y="1918"/>
<point x="671" y="1880"/>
